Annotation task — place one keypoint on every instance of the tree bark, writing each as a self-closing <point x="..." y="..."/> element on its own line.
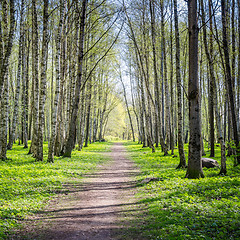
<point x="35" y="113"/>
<point x="19" y="72"/>
<point x="6" y="40"/>
<point x="209" y="54"/>
<point x="126" y="102"/>
<point x="42" y="99"/>
<point x="25" y="85"/>
<point x="134" y="107"/>
<point x="166" y="87"/>
<point x="211" y="93"/>
<point x="57" y="89"/>
<point x="72" y="125"/>
<point x="172" y="128"/>
<point x="89" y="103"/>
<point x="156" y="83"/>
<point x="4" y="120"/>
<point x="194" y="169"/>
<point x="229" y="80"/>
<point x="82" y="120"/>
<point x="182" y="163"/>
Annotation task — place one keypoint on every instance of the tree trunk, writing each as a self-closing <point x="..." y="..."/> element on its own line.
<point x="42" y="99"/>
<point x="182" y="163"/>
<point x="229" y="80"/>
<point x="156" y="84"/>
<point x="211" y="93"/>
<point x="35" y="113"/>
<point x="126" y="102"/>
<point x="209" y="54"/>
<point x="57" y="90"/>
<point x="194" y="157"/>
<point x="233" y="45"/>
<point x="89" y="103"/>
<point x="82" y="120"/>
<point x="59" y="141"/>
<point x="6" y="40"/>
<point x="19" y="72"/>
<point x="166" y="88"/>
<point x="146" y="78"/>
<point x="4" y="120"/>
<point x="25" y="58"/>
<point x="134" y="107"/>
<point x="172" y="128"/>
<point x="72" y="125"/>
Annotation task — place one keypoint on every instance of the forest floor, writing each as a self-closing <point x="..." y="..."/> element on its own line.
<point x="104" y="192"/>
<point x="92" y="210"/>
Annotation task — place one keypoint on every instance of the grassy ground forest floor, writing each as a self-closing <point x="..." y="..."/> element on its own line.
<point x="27" y="186"/>
<point x="172" y="207"/>
<point x="179" y="208"/>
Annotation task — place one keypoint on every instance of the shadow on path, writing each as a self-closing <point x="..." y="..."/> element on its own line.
<point x="94" y="209"/>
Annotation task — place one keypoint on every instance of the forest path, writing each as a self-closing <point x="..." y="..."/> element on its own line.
<point x="93" y="210"/>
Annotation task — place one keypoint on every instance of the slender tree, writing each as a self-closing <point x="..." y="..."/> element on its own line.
<point x="209" y="54"/>
<point x="126" y="102"/>
<point x="42" y="99"/>
<point x="19" y="72"/>
<point x="182" y="163"/>
<point x="156" y="80"/>
<point x="35" y="80"/>
<point x="72" y="125"/>
<point x="229" y="79"/>
<point x="57" y="89"/>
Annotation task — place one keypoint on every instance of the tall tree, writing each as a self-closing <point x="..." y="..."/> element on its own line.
<point x="19" y="74"/>
<point x="211" y="81"/>
<point x="182" y="163"/>
<point x="126" y="102"/>
<point x="35" y="79"/>
<point x="72" y="125"/>
<point x="57" y="89"/>
<point x="156" y="80"/>
<point x="229" y="79"/>
<point x="194" y="169"/>
<point x="165" y="77"/>
<point x="25" y="64"/>
<point x="42" y="98"/>
<point x="209" y="54"/>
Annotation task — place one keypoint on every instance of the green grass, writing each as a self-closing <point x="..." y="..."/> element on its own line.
<point x="179" y="208"/>
<point x="26" y="185"/>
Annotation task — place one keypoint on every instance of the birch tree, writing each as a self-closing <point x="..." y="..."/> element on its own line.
<point x="19" y="77"/>
<point x="182" y="163"/>
<point x="72" y="125"/>
<point x="42" y="98"/>
<point x="57" y="89"/>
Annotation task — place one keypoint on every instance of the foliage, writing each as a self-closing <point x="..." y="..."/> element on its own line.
<point x="179" y="208"/>
<point x="26" y="185"/>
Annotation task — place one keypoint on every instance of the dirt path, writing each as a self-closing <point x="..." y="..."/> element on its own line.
<point x="93" y="211"/>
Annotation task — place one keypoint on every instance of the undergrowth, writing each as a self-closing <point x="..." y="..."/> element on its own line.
<point x="179" y="208"/>
<point x="26" y="185"/>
